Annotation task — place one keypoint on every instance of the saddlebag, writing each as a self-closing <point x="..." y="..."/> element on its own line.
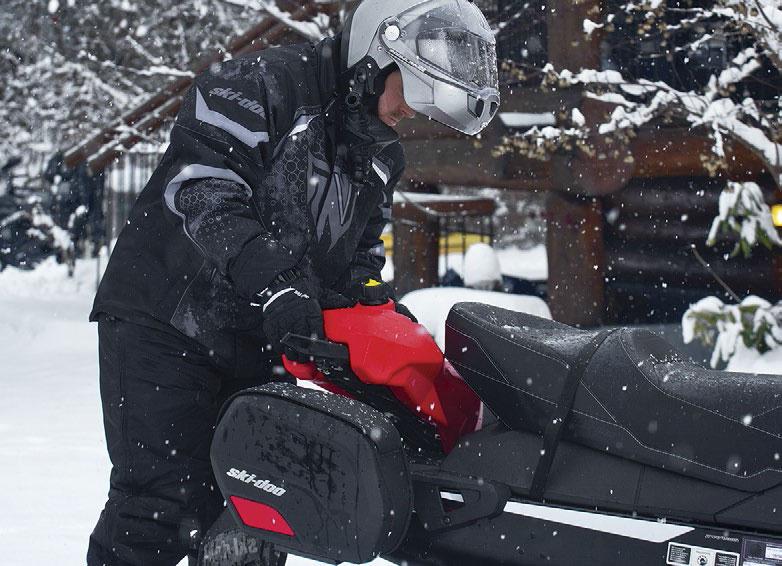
<point x="316" y="474"/>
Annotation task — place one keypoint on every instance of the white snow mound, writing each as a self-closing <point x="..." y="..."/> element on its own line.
<point x="481" y="267"/>
<point x="431" y="306"/>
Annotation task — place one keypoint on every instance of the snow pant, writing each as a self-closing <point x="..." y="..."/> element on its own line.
<point x="161" y="394"/>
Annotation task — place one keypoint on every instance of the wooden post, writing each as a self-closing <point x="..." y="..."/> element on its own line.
<point x="576" y="259"/>
<point x="568" y="46"/>
<point x="416" y="255"/>
<point x="576" y="250"/>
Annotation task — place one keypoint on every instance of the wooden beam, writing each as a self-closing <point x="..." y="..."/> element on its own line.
<point x="135" y="134"/>
<point x="439" y="155"/>
<point x="536" y="100"/>
<point x="676" y="152"/>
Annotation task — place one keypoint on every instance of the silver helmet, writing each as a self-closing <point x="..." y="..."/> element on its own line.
<point x="445" y="50"/>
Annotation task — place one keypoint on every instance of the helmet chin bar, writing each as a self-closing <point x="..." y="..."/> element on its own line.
<point x="467" y="111"/>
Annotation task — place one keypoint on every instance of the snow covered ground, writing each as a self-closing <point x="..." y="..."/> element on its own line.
<point x="746" y="360"/>
<point x="53" y="466"/>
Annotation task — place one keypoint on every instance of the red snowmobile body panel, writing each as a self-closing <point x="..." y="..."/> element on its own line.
<point x="388" y="349"/>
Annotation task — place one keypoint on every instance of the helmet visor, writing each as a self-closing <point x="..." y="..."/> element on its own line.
<point x="455" y="38"/>
<point x="460" y="54"/>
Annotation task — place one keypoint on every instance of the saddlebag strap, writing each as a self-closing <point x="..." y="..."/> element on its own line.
<point x="559" y="417"/>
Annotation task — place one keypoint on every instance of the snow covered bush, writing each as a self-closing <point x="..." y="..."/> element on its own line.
<point x="744" y="212"/>
<point x="754" y="323"/>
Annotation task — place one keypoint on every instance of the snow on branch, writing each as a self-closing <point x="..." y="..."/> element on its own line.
<point x="314" y="30"/>
<point x="72" y="68"/>
<point x="644" y="103"/>
<point x="158" y="70"/>
<point x="590" y="27"/>
<point x="754" y="323"/>
<point x="743" y="211"/>
<point x="763" y="17"/>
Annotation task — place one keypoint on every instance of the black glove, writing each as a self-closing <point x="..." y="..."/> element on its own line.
<point x="290" y="305"/>
<point x="330" y="299"/>
<point x="376" y="292"/>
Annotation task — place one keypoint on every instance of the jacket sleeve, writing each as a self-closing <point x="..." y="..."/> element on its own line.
<point x="220" y="145"/>
<point x="370" y="256"/>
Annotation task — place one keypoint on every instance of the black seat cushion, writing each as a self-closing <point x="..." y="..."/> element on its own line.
<point x="638" y="398"/>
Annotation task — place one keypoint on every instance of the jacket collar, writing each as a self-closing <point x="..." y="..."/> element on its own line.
<point x="328" y="53"/>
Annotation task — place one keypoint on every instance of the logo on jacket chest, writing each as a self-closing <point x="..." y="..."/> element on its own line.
<point x="332" y="200"/>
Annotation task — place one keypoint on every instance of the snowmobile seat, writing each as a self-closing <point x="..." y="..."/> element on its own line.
<point x="634" y="395"/>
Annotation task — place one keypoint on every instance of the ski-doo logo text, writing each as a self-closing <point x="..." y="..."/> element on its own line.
<point x="252" y="105"/>
<point x="264" y="485"/>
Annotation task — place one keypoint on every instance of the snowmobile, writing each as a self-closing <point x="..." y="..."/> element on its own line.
<point x="528" y="442"/>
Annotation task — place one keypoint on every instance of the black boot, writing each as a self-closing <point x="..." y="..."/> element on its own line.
<point x="225" y="544"/>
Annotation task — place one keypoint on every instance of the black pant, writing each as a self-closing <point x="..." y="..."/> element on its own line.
<point x="161" y="394"/>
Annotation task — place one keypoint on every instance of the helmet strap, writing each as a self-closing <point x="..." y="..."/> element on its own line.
<point x="354" y="123"/>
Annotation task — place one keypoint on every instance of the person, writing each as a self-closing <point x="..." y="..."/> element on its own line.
<point x="267" y="208"/>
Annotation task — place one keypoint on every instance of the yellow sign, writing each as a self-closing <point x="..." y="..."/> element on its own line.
<point x="776" y="214"/>
<point x="454" y="242"/>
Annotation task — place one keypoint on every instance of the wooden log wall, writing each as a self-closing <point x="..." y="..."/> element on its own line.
<point x="652" y="271"/>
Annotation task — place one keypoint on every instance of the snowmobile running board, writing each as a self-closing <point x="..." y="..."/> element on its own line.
<point x="528" y="533"/>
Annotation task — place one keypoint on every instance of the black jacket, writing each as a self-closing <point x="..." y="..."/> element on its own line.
<point x="253" y="183"/>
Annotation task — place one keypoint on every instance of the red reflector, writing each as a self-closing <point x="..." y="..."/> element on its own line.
<point x="260" y="516"/>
